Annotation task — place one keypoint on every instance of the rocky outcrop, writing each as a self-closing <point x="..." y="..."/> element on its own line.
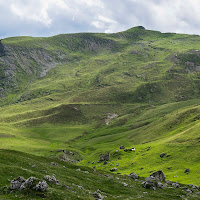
<point x="158" y="175"/>
<point x="152" y="182"/>
<point x="29" y="184"/>
<point x="133" y="175"/>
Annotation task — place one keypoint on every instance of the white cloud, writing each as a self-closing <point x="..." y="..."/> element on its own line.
<point x="29" y="12"/>
<point x="50" y="17"/>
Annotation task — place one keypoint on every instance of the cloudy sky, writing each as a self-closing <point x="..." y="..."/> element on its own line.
<point x="51" y="17"/>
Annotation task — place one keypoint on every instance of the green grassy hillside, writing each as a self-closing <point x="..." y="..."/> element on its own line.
<point x="90" y="93"/>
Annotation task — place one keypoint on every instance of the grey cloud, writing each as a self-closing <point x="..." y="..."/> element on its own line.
<point x="51" y="17"/>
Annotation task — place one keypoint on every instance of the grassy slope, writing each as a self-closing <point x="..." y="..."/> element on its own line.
<point x="140" y="75"/>
<point x="111" y="186"/>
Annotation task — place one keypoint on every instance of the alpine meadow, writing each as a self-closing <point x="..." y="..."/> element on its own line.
<point x="100" y="116"/>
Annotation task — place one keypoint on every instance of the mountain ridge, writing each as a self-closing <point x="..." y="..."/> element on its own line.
<point x="58" y="94"/>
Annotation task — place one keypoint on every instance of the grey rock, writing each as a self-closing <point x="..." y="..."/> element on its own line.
<point x="15" y="184"/>
<point x="176" y="185"/>
<point x="125" y="184"/>
<point x="105" y="157"/>
<point x="159" y="175"/>
<point x="133" y="175"/>
<point x="160" y="185"/>
<point x="105" y="163"/>
<point x="67" y="187"/>
<point x="187" y="170"/>
<point x="113" y="169"/>
<point x="195" y="187"/>
<point x="29" y="183"/>
<point x="80" y="187"/>
<point x="42" y="186"/>
<point x="54" y="164"/>
<point x="169" y="182"/>
<point x="150" y="183"/>
<point x="162" y="155"/>
<point x="52" y="179"/>
<point x="189" y="191"/>
<point x="197" y="193"/>
<point x="98" y="196"/>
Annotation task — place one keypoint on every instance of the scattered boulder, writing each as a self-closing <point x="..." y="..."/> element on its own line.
<point x="16" y="183"/>
<point x="41" y="186"/>
<point x="105" y="157"/>
<point x="148" y="148"/>
<point x="160" y="185"/>
<point x="169" y="182"/>
<point x="133" y="175"/>
<point x="113" y="169"/>
<point x="54" y="164"/>
<point x="80" y="187"/>
<point x="169" y="168"/>
<point x="150" y="183"/>
<point x="187" y="170"/>
<point x="67" y="187"/>
<point x="162" y="155"/>
<point x="125" y="184"/>
<point x="31" y="183"/>
<point x="176" y="185"/>
<point x="189" y="191"/>
<point x="195" y="187"/>
<point x="52" y="179"/>
<point x="105" y="163"/>
<point x="98" y="196"/>
<point x="159" y="175"/>
<point x="131" y="149"/>
<point x="28" y="183"/>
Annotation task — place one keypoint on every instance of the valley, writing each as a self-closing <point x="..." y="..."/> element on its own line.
<point x="73" y="97"/>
